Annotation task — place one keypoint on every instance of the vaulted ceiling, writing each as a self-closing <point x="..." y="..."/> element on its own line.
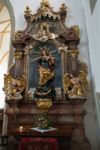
<point x="92" y="4"/>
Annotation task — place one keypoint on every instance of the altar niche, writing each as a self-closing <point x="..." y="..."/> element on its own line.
<point x="45" y="71"/>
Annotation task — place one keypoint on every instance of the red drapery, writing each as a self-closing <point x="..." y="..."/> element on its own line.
<point x="38" y="144"/>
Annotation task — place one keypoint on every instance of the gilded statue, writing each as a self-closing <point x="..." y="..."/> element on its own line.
<point x="45" y="75"/>
<point x="14" y="87"/>
<point x="75" y="86"/>
<point x="46" y="67"/>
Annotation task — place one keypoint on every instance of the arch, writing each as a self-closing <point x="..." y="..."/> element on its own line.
<point x="7" y="27"/>
<point x="11" y="12"/>
<point x="12" y="17"/>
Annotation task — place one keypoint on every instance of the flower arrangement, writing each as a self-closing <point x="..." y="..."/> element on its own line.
<point x="42" y="121"/>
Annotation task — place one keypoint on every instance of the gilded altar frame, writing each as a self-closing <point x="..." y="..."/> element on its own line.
<point x="66" y="112"/>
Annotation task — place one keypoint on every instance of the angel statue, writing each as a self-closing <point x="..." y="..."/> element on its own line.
<point x="46" y="66"/>
<point x="14" y="87"/>
<point x="75" y="86"/>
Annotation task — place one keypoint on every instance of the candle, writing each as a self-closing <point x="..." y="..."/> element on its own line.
<point x="21" y="128"/>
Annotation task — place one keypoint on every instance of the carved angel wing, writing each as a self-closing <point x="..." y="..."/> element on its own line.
<point x="83" y="80"/>
<point x="7" y="83"/>
<point x="66" y="82"/>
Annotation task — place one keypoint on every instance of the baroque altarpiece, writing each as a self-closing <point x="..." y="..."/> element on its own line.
<point x="48" y="77"/>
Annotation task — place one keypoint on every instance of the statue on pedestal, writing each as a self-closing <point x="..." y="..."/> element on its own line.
<point x="46" y="68"/>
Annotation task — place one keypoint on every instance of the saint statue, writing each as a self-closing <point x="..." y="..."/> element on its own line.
<point x="46" y="68"/>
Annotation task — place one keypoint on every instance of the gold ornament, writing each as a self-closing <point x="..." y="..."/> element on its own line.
<point x="75" y="86"/>
<point x="14" y="87"/>
<point x="73" y="53"/>
<point x="18" y="36"/>
<point x="44" y="34"/>
<point x="44" y="104"/>
<point x="83" y="67"/>
<point x="76" y="30"/>
<point x="76" y="90"/>
<point x="83" y="81"/>
<point x="45" y="75"/>
<point x="27" y="11"/>
<point x="66" y="82"/>
<point x="18" y="55"/>
<point x="63" y="7"/>
<point x="45" y="6"/>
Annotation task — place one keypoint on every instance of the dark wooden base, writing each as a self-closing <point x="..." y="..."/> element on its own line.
<point x="67" y="117"/>
<point x="63" y="144"/>
<point x="80" y="145"/>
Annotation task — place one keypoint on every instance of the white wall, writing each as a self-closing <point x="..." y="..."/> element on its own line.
<point x="5" y="35"/>
<point x="78" y="14"/>
<point x="96" y="44"/>
<point x="96" y="54"/>
<point x="93" y="29"/>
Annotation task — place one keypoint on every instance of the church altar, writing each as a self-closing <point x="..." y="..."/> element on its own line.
<point x="47" y="85"/>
